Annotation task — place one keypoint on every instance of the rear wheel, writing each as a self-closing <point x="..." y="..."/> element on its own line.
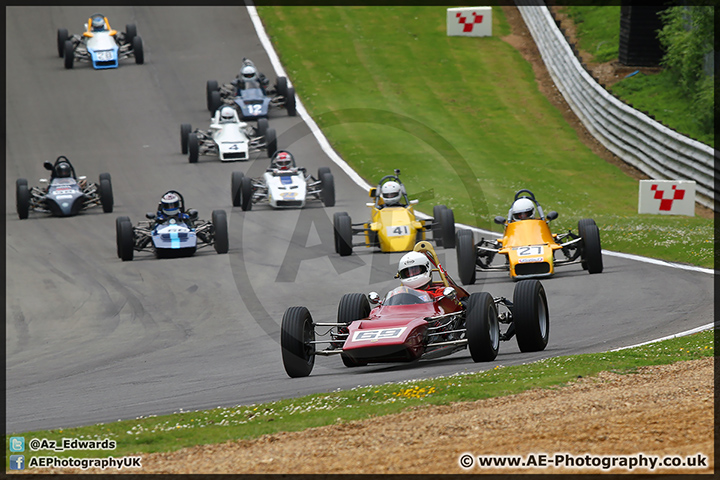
<point x="62" y="37"/>
<point x="447" y="226"/>
<point x="290" y="102"/>
<point x="22" y="198"/>
<point x="137" y="46"/>
<point x="483" y="328"/>
<point x="130" y="32"/>
<point x="592" y="250"/>
<point x="281" y="86"/>
<point x="215" y="101"/>
<point x="322" y="170"/>
<point x="437" y="226"/>
<point x="297" y="333"/>
<point x="106" y="194"/>
<point x="69" y="54"/>
<point x="531" y="316"/>
<point x="118" y="221"/>
<point x="235" y="188"/>
<point x="262" y="127"/>
<point x="126" y="241"/>
<point x="246" y="193"/>
<point x="343" y="235"/>
<point x="353" y="306"/>
<point x="466" y="256"/>
<point x="185" y="130"/>
<point x="220" y="225"/>
<point x="271" y="142"/>
<point x="328" y="189"/>
<point x="210" y="86"/>
<point x="193" y="148"/>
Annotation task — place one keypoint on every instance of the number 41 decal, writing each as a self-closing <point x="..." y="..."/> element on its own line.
<point x="398" y="231"/>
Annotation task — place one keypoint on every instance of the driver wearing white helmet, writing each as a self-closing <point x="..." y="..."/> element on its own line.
<point x="391" y="194"/>
<point x="248" y="74"/>
<point x="522" y="209"/>
<point x="169" y="208"/>
<point x="227" y="115"/>
<point x="415" y="270"/>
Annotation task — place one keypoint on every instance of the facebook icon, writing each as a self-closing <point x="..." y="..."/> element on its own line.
<point x="17" y="462"/>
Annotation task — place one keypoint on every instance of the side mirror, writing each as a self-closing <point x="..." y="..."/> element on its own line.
<point x="397" y="172"/>
<point x="48" y="165"/>
<point x="500" y="220"/>
<point x="449" y="292"/>
<point x="43" y="180"/>
<point x="369" y="204"/>
<point x="373" y="192"/>
<point x="150" y="216"/>
<point x="552" y="215"/>
<point x="193" y="214"/>
<point x="374" y="298"/>
<point x="414" y="202"/>
<point x="82" y="177"/>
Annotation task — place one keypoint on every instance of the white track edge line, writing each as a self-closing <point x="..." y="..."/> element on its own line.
<point x="325" y="145"/>
<point x="681" y="334"/>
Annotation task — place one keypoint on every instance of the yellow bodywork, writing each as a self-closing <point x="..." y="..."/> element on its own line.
<point x="397" y="228"/>
<point x="529" y="242"/>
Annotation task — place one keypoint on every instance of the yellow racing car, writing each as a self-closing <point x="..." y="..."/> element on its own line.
<point x="528" y="245"/>
<point x="393" y="225"/>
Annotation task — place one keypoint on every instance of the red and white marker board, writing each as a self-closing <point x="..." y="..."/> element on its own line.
<point x="469" y="22"/>
<point x="667" y="197"/>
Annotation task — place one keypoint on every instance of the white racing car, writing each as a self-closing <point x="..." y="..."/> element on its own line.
<point x="283" y="185"/>
<point x="228" y="138"/>
<point x="100" y="44"/>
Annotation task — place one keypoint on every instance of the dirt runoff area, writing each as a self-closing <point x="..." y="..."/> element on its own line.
<point x="662" y="412"/>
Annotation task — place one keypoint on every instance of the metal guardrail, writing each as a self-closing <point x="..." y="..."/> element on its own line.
<point x="649" y="146"/>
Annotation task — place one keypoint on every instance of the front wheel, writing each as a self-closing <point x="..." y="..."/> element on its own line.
<point x="531" y="316"/>
<point x="22" y="198"/>
<point x="235" y="188"/>
<point x="353" y="306"/>
<point x="220" y="237"/>
<point x="126" y="240"/>
<point x="270" y="142"/>
<point x="118" y="221"/>
<point x="343" y="235"/>
<point x="106" y="194"/>
<point x="246" y="193"/>
<point x="328" y="189"/>
<point x="185" y="130"/>
<point x="482" y="327"/>
<point x="69" y="54"/>
<point x="262" y="127"/>
<point x="297" y="332"/>
<point x="138" y="51"/>
<point x="193" y="148"/>
<point x="466" y="256"/>
<point x="592" y="251"/>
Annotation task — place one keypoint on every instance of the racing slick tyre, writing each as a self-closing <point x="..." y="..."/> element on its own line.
<point x="185" y="130"/>
<point x="126" y="240"/>
<point x="235" y="184"/>
<point x="69" y="54"/>
<point x="220" y="236"/>
<point x="262" y="127"/>
<point x="447" y="227"/>
<point x="436" y="227"/>
<point x="215" y="101"/>
<point x="297" y="332"/>
<point x="271" y="142"/>
<point x="335" y="233"/>
<point x="138" y="51"/>
<point x="322" y="170"/>
<point x="290" y="102"/>
<point x="62" y="37"/>
<point x="466" y="256"/>
<point x="582" y="223"/>
<point x="592" y="252"/>
<point x="531" y="316"/>
<point x="22" y="198"/>
<point x="210" y="86"/>
<point x="246" y="193"/>
<point x="106" y="194"/>
<point x="130" y="32"/>
<point x="328" y="189"/>
<point x="281" y="86"/>
<point x="343" y="234"/>
<point x="482" y="327"/>
<point x="353" y="306"/>
<point x="118" y="221"/>
<point x="193" y="148"/>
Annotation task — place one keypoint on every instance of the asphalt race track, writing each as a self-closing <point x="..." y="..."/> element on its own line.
<point x="91" y="339"/>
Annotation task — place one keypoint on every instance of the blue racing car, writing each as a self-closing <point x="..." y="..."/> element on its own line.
<point x="172" y="231"/>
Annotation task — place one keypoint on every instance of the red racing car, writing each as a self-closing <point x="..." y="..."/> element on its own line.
<point x="410" y="324"/>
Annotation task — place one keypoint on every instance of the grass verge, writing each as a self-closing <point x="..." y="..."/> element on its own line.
<point x="465" y="122"/>
<point x="185" y="429"/>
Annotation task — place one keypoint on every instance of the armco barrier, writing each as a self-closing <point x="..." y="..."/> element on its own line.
<point x="649" y="146"/>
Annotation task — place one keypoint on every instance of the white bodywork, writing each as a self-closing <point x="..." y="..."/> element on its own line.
<point x="232" y="141"/>
<point x="286" y="188"/>
<point x="101" y="41"/>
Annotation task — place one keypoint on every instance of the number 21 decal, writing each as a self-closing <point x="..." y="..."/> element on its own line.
<point x="536" y="250"/>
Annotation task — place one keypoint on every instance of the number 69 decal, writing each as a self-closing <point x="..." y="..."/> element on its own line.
<point x="536" y="250"/>
<point x="374" y="335"/>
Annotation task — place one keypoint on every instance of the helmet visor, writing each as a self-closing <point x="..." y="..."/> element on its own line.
<point x="412" y="271"/>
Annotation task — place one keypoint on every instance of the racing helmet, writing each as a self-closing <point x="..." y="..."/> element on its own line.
<point x="414" y="270"/>
<point x="170" y="204"/>
<point x="227" y="115"/>
<point x="98" y="24"/>
<point x="63" y="170"/>
<point x="522" y="209"/>
<point x="284" y="160"/>
<point x="248" y="72"/>
<point x="390" y="192"/>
